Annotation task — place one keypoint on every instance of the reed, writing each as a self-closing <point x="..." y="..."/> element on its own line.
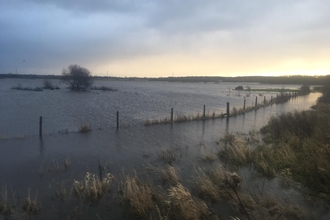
<point x="182" y="205"/>
<point x="168" y="156"/>
<point x="31" y="206"/>
<point x="234" y="150"/>
<point x="5" y="209"/>
<point x="170" y="176"/>
<point x="136" y="196"/>
<point x="92" y="189"/>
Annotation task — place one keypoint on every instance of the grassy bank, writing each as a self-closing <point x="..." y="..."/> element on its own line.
<point x="295" y="145"/>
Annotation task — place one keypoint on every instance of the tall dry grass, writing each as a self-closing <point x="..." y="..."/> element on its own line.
<point x="234" y="150"/>
<point x="136" y="196"/>
<point x="5" y="209"/>
<point x="182" y="205"/>
<point x="31" y="206"/>
<point x="170" y="175"/>
<point x="92" y="189"/>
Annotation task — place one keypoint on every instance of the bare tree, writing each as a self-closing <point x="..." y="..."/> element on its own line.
<point x="77" y="77"/>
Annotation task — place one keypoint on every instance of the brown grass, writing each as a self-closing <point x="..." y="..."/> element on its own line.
<point x="182" y="205"/>
<point x="168" y="156"/>
<point x="92" y="189"/>
<point x="31" y="206"/>
<point x="235" y="150"/>
<point x="5" y="209"/>
<point x="170" y="176"/>
<point x="136" y="196"/>
<point x="84" y="128"/>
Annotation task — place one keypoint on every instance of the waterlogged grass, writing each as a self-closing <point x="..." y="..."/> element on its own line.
<point x="31" y="206"/>
<point x="84" y="128"/>
<point x="92" y="188"/>
<point x="104" y="88"/>
<point x="5" y="209"/>
<point x="295" y="145"/>
<point x="170" y="176"/>
<point x="235" y="151"/>
<point x="136" y="196"/>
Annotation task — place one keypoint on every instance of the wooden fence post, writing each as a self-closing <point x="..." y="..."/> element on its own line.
<point x="40" y="126"/>
<point x="244" y="104"/>
<point x="171" y="115"/>
<point x="204" y="112"/>
<point x="256" y="101"/>
<point x="117" y="119"/>
<point x="228" y="113"/>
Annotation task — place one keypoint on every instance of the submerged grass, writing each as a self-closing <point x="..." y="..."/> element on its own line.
<point x="84" y="128"/>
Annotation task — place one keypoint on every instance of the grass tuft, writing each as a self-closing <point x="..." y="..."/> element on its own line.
<point x="168" y="156"/>
<point x="31" y="206"/>
<point x="235" y="150"/>
<point x="170" y="176"/>
<point x="136" y="196"/>
<point x="85" y="128"/>
<point x="92" y="189"/>
<point x="5" y="209"/>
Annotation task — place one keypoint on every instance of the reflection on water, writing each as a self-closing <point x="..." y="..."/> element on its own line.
<point x="25" y="157"/>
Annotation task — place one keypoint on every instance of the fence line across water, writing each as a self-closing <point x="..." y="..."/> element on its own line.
<point x="204" y="114"/>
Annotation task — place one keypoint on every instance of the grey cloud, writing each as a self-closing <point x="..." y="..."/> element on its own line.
<point x="54" y="33"/>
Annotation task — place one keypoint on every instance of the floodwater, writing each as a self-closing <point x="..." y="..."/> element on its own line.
<point x="25" y="158"/>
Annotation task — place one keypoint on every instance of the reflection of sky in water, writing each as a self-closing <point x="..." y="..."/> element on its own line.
<point x="122" y="149"/>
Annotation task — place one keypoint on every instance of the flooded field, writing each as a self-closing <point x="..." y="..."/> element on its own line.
<point x="48" y="166"/>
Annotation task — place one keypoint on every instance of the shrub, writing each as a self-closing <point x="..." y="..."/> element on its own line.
<point x="77" y="77"/>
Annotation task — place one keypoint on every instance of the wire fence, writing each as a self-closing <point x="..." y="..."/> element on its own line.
<point x="22" y="127"/>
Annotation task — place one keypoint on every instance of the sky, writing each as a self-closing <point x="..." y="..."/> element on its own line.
<point x="161" y="38"/>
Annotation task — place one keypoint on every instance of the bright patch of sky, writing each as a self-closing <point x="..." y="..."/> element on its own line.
<point x="159" y="38"/>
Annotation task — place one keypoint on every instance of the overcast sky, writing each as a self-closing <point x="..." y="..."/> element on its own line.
<point x="166" y="37"/>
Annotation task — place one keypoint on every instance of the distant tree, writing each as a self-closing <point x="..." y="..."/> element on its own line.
<point x="77" y="77"/>
<point x="305" y="90"/>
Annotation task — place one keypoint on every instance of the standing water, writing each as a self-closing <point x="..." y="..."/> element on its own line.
<point x="28" y="162"/>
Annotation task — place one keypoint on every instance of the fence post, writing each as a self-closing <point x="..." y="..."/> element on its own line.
<point x="117" y="119"/>
<point x="171" y="115"/>
<point x="244" y="104"/>
<point x="204" y="112"/>
<point x="256" y="101"/>
<point x="228" y="113"/>
<point x="264" y="99"/>
<point x="271" y="99"/>
<point x="40" y="126"/>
